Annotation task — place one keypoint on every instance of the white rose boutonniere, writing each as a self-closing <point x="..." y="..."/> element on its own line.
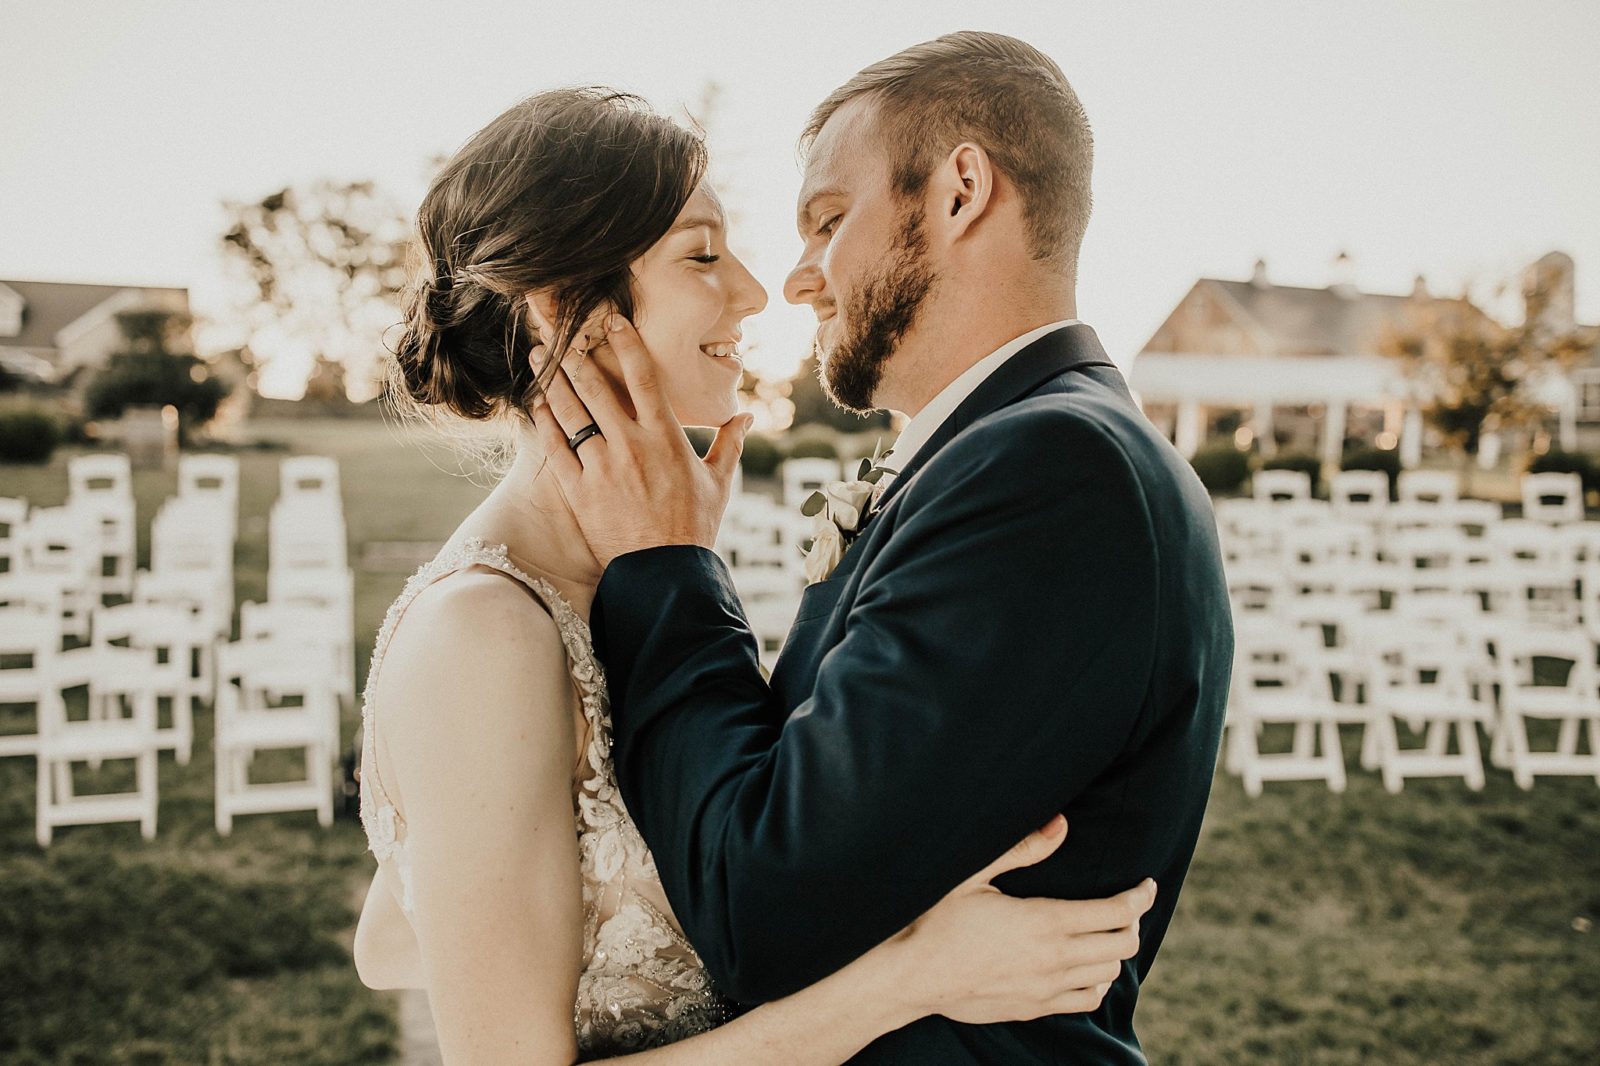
<point x="840" y="511"/>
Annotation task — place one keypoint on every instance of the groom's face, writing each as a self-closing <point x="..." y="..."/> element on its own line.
<point x="864" y="269"/>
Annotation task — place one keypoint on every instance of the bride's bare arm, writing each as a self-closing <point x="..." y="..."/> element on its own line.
<point x="477" y="738"/>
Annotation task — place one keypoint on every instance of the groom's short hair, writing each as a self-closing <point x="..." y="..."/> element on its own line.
<point x="1000" y="93"/>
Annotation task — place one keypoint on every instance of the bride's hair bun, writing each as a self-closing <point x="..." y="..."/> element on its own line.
<point x="558" y="195"/>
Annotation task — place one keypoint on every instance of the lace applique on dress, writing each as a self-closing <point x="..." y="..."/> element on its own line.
<point x="642" y="983"/>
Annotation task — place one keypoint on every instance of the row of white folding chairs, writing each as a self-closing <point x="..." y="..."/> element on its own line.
<point x="1547" y="497"/>
<point x="286" y="658"/>
<point x="1509" y="590"/>
<point x="1432" y="664"/>
<point x="1516" y="543"/>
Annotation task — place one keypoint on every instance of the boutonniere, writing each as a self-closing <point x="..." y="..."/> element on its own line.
<point x="839" y="511"/>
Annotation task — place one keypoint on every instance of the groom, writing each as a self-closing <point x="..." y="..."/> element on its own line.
<point x="1033" y="620"/>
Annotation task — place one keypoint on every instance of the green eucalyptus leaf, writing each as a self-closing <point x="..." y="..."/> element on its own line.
<point x="861" y="471"/>
<point x="813" y="505"/>
<point x="873" y="476"/>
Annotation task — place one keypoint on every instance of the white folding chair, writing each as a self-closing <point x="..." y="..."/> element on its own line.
<point x="1250" y="530"/>
<point x="1256" y="588"/>
<point x="1548" y="675"/>
<point x="332" y="593"/>
<point x="1279" y="678"/>
<point x="1335" y="624"/>
<point x="757" y="583"/>
<point x="191" y="560"/>
<point x="1579" y="543"/>
<point x="1423" y="678"/>
<point x="1280" y="486"/>
<point x="57" y="548"/>
<point x="802" y="477"/>
<point x="271" y="696"/>
<point x="306" y="533"/>
<point x="120" y="725"/>
<point x="1372" y="586"/>
<point x="1430" y="559"/>
<point x="13" y="517"/>
<point x="212" y="481"/>
<point x="303" y="477"/>
<point x="198" y="593"/>
<point x="1552" y="498"/>
<point x="100" y="494"/>
<point x="1475" y="518"/>
<point x="323" y="634"/>
<point x="770" y="621"/>
<point x="181" y="643"/>
<point x="1428" y="487"/>
<point x="29" y="642"/>
<point x="1359" y="494"/>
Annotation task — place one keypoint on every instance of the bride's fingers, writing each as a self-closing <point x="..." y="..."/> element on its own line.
<point x="595" y="393"/>
<point x="563" y="403"/>
<point x="1033" y="848"/>
<point x="563" y="463"/>
<point x="639" y="372"/>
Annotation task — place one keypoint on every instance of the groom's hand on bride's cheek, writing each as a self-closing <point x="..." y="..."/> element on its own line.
<point x="638" y="483"/>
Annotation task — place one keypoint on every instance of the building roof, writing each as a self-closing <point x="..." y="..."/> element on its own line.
<point x="1336" y="320"/>
<point x="50" y="306"/>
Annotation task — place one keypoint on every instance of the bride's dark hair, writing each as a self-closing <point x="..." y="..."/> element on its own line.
<point x="560" y="193"/>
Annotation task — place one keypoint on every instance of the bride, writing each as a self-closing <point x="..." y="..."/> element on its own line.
<point x="511" y="883"/>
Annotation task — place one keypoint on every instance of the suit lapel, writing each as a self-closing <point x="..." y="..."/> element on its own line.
<point x="1048" y="357"/>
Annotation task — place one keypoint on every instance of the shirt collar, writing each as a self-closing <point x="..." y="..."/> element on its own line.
<point x="942" y="406"/>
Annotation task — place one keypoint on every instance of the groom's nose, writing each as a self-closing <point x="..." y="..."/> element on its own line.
<point x="804" y="285"/>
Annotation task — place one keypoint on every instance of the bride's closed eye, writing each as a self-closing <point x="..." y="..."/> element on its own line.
<point x="707" y="259"/>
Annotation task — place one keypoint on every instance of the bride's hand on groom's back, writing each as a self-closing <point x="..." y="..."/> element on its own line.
<point x="982" y="956"/>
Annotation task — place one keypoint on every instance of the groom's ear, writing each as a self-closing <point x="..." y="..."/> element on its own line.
<point x="964" y="183"/>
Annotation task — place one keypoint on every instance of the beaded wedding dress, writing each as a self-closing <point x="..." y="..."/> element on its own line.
<point x="642" y="984"/>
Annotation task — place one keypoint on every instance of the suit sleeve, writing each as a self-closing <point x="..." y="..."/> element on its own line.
<point x="994" y="662"/>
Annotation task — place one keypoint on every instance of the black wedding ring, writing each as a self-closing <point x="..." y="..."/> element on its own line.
<point x="591" y="430"/>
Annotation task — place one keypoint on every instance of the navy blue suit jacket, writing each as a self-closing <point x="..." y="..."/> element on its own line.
<point x="1035" y="621"/>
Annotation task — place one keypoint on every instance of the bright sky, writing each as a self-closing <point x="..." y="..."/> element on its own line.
<point x="1455" y="138"/>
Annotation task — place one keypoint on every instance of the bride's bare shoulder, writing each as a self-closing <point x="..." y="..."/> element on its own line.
<point x="475" y="640"/>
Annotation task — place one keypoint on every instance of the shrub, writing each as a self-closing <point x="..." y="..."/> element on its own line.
<point x="28" y="435"/>
<point x="1556" y="461"/>
<point x="1222" y="467"/>
<point x="1306" y="464"/>
<point x="814" y="448"/>
<point x="760" y="457"/>
<point x="1385" y="459"/>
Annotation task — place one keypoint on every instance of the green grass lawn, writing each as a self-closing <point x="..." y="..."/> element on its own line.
<point x="1436" y="926"/>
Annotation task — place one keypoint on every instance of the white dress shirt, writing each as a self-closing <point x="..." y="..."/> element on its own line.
<point x="942" y="406"/>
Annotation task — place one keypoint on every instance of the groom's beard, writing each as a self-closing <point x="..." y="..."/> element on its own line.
<point x="877" y="317"/>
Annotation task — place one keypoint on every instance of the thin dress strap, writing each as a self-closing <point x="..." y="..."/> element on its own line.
<point x="384" y="823"/>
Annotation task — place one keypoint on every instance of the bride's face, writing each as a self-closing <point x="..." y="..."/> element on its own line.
<point x="691" y="296"/>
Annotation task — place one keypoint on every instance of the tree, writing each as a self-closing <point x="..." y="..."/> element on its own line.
<point x="152" y="370"/>
<point x="1472" y="376"/>
<point x="320" y="269"/>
